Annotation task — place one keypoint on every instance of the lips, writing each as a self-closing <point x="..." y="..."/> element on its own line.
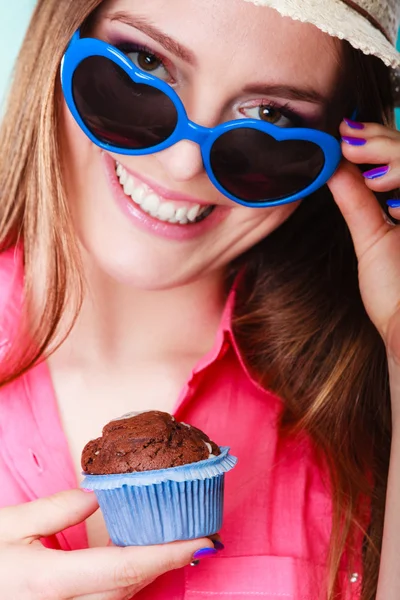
<point x="155" y="226"/>
<point x="158" y="207"/>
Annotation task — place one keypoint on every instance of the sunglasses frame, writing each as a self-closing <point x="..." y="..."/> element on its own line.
<point x="81" y="48"/>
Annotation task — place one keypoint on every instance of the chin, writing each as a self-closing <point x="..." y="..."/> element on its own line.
<point x="134" y="267"/>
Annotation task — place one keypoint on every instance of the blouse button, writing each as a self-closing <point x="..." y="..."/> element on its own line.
<point x="36" y="460"/>
<point x="354" y="578"/>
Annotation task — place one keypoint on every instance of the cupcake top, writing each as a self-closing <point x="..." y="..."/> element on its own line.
<point x="146" y="441"/>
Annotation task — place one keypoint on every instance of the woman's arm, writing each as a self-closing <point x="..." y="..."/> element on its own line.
<point x="389" y="574"/>
<point x="377" y="245"/>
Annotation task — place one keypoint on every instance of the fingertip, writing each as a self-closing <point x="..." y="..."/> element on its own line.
<point x="89" y="495"/>
<point x="192" y="546"/>
<point x="217" y="541"/>
<point x="379" y="186"/>
<point x="87" y="499"/>
<point x="394" y="213"/>
<point x="204" y="553"/>
<point x="350" y="124"/>
<point x="393" y="204"/>
<point x="189" y="548"/>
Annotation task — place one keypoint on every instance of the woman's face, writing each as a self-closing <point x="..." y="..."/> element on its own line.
<point x="219" y="57"/>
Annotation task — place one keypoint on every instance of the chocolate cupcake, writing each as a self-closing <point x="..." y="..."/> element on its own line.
<point x="146" y="442"/>
<point x="157" y="480"/>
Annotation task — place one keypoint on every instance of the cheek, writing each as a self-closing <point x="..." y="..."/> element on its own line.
<point x="82" y="170"/>
<point x="257" y="223"/>
<point x="82" y="176"/>
<point x="76" y="147"/>
<point x="247" y="227"/>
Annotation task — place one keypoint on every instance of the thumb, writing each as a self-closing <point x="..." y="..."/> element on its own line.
<point x="47" y="516"/>
<point x="94" y="570"/>
<point x="359" y="207"/>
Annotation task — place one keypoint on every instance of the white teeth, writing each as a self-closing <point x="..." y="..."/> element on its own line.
<point x="123" y="177"/>
<point x="129" y="185"/>
<point x="138" y="195"/>
<point x="181" y="213"/>
<point x="153" y="204"/>
<point x="166" y="211"/>
<point x="193" y="213"/>
<point x="203" y="210"/>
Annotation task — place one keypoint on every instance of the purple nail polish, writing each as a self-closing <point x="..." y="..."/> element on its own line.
<point x="377" y="172"/>
<point x="354" y="124"/>
<point x="204" y="553"/>
<point x="393" y="203"/>
<point x="352" y="141"/>
<point x="87" y="491"/>
<point x="218" y="545"/>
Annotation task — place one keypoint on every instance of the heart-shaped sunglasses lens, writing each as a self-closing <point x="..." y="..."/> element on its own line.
<point x="255" y="167"/>
<point x="117" y="110"/>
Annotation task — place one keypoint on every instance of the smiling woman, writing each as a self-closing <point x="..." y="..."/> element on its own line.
<point x="253" y="162"/>
<point x="176" y="164"/>
<point x="191" y="221"/>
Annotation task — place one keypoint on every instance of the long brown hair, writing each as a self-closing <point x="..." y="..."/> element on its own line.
<point x="303" y="327"/>
<point x="300" y="321"/>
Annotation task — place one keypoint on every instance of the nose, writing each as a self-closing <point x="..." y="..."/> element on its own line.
<point x="182" y="161"/>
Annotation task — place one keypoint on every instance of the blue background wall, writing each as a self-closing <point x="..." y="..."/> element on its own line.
<point x="14" y="18"/>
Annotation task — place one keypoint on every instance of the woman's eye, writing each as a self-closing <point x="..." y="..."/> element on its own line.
<point x="150" y="63"/>
<point x="269" y="114"/>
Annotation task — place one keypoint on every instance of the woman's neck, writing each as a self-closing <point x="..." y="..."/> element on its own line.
<point x="118" y="323"/>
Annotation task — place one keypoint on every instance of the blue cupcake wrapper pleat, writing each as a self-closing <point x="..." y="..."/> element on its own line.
<point x="163" y="512"/>
<point x="201" y="470"/>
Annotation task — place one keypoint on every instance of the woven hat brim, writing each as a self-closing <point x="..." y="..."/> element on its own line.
<point x="337" y="19"/>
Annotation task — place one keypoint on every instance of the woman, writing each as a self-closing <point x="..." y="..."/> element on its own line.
<point x="157" y="263"/>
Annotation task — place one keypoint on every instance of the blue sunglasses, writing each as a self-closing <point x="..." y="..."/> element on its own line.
<point x="125" y="110"/>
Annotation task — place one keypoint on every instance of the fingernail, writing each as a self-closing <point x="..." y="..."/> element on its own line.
<point x="87" y="491"/>
<point x="354" y="124"/>
<point x="352" y="141"/>
<point x="218" y="545"/>
<point x="393" y="203"/>
<point x="204" y="553"/>
<point x="377" y="172"/>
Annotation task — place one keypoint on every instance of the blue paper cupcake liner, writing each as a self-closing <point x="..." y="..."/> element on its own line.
<point x="156" y="507"/>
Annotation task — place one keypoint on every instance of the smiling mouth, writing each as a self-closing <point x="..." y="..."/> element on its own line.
<point x="179" y="213"/>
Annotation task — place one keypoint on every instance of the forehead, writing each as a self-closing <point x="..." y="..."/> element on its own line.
<point x="239" y="34"/>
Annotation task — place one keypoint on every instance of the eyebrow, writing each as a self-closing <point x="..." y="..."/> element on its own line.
<point x="162" y="38"/>
<point x="304" y="94"/>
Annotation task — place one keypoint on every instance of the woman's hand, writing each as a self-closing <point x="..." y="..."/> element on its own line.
<point x="377" y="244"/>
<point x="376" y="240"/>
<point x="30" y="571"/>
